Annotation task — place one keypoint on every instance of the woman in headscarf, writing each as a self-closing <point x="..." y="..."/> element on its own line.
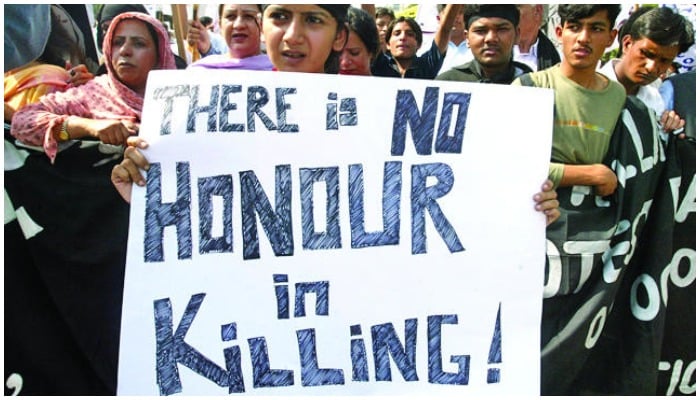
<point x="298" y="38"/>
<point x="107" y="108"/>
<point x="69" y="233"/>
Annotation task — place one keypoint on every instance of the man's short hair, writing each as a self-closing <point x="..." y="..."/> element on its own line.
<point x="576" y="12"/>
<point x="410" y="21"/>
<point x="661" y="25"/>
<point x="472" y="12"/>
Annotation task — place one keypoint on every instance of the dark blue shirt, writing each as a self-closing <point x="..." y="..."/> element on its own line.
<point x="424" y="67"/>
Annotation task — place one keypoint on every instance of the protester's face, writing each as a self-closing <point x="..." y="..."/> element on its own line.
<point x="382" y="25"/>
<point x="134" y="53"/>
<point x="240" y="27"/>
<point x="644" y="61"/>
<point x="355" y="58"/>
<point x="403" y="43"/>
<point x="300" y="37"/>
<point x="491" y="41"/>
<point x="584" y="41"/>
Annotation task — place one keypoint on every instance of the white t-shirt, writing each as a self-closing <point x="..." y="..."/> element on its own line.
<point x="456" y="55"/>
<point x="529" y="58"/>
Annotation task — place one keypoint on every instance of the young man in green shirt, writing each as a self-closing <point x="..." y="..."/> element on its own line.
<point x="587" y="103"/>
<point x="587" y="108"/>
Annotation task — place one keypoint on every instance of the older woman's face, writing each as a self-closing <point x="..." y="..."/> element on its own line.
<point x="240" y="27"/>
<point x="134" y="53"/>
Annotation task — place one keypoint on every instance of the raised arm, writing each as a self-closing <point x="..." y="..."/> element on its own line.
<point x="442" y="36"/>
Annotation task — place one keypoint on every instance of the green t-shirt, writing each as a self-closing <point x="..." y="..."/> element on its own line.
<point x="583" y="122"/>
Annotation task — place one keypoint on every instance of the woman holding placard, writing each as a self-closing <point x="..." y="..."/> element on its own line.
<point x="298" y="37"/>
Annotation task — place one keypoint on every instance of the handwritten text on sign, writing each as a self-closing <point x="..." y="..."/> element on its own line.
<point x="317" y="234"/>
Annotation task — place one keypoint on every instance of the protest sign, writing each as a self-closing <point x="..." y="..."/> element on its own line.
<point x="305" y="234"/>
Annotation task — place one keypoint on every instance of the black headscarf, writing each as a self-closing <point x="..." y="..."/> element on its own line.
<point x="107" y="13"/>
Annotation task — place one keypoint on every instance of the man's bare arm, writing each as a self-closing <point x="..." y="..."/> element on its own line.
<point x="602" y="178"/>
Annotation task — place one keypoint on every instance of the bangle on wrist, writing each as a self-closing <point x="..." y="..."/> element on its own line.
<point x="63" y="135"/>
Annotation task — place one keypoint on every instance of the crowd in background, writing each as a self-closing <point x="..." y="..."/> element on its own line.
<point x="72" y="150"/>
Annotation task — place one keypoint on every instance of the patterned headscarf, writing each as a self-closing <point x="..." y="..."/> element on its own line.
<point x="166" y="59"/>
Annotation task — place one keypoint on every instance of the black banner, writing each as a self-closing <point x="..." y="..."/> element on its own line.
<point x="619" y="309"/>
<point x="65" y="248"/>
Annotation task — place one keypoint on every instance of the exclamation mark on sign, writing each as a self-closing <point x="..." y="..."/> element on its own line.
<point x="494" y="374"/>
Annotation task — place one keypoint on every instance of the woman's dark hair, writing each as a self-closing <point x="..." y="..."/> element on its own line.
<point x="339" y="12"/>
<point x="411" y="22"/>
<point x="362" y="23"/>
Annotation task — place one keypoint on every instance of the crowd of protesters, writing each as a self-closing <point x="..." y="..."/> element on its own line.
<point x="71" y="127"/>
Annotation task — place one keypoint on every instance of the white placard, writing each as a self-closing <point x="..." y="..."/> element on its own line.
<point x="310" y="234"/>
